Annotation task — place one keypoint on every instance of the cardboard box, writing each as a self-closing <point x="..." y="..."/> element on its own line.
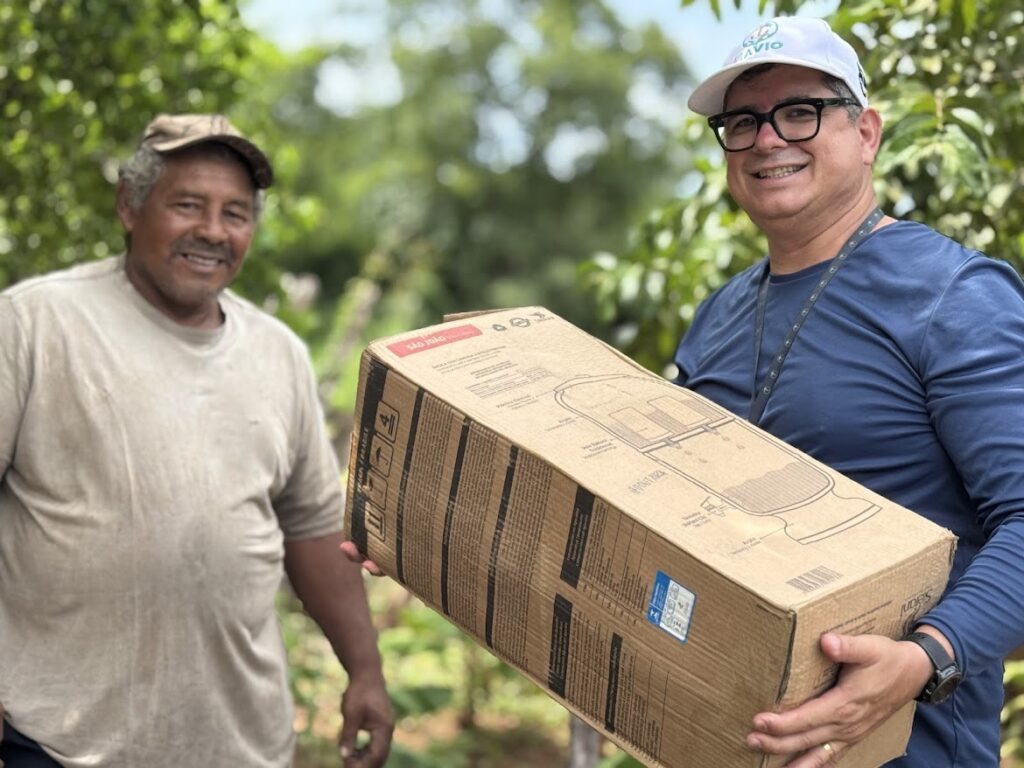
<point x="658" y="565"/>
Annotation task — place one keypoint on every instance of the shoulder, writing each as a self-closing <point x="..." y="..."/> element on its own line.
<point x="65" y="281"/>
<point x="922" y="250"/>
<point x="934" y="293"/>
<point x="61" y="294"/>
<point x="909" y="265"/>
<point x="261" y="328"/>
<point x="940" y="263"/>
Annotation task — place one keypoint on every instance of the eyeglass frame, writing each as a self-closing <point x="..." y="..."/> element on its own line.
<point x="718" y="121"/>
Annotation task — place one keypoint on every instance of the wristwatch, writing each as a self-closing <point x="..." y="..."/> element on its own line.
<point x="947" y="675"/>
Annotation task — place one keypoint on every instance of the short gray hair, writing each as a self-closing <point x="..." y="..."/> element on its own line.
<point x="143" y="170"/>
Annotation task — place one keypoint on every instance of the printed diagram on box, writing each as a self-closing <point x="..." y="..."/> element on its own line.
<point x="673" y="427"/>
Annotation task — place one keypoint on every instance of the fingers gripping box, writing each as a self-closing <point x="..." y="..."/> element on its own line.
<point x="658" y="565"/>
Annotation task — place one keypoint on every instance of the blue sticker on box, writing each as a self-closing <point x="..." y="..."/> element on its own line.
<point x="671" y="607"/>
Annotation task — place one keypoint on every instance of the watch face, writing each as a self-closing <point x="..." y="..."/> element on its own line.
<point x="946" y="675"/>
<point x="950" y="679"/>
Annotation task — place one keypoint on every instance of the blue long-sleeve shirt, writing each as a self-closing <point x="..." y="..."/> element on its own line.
<point x="907" y="376"/>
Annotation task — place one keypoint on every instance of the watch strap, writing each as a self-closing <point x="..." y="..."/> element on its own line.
<point x="938" y="655"/>
<point x="942" y="662"/>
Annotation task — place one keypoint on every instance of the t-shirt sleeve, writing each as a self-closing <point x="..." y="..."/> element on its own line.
<point x="311" y="503"/>
<point x="14" y="380"/>
<point x="973" y="364"/>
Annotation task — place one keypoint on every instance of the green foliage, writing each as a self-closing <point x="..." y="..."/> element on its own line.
<point x="948" y="87"/>
<point x="621" y="760"/>
<point x="513" y="151"/>
<point x="78" y="81"/>
<point x="682" y="252"/>
<point x="1013" y="715"/>
<point x="456" y="705"/>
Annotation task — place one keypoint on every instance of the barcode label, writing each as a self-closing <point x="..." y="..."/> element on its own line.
<point x="814" y="579"/>
<point x="671" y="607"/>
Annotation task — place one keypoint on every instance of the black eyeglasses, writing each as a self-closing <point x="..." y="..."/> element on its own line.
<point x="793" y="120"/>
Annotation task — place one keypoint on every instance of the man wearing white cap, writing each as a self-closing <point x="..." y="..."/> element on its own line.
<point x="163" y="463"/>
<point x="887" y="351"/>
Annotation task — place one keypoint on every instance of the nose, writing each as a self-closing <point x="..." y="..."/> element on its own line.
<point x="767" y="138"/>
<point x="211" y="228"/>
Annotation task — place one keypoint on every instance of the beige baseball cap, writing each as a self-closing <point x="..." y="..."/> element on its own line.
<point x="168" y="133"/>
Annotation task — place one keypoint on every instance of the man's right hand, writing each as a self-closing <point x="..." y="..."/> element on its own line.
<point x="352" y="553"/>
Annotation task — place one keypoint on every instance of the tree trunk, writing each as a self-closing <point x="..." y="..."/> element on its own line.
<point x="584" y="745"/>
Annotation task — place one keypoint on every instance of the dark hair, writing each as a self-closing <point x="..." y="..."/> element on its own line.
<point x="834" y="84"/>
<point x="842" y="90"/>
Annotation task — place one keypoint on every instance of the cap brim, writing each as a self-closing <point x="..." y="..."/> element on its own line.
<point x="262" y="172"/>
<point x="708" y="98"/>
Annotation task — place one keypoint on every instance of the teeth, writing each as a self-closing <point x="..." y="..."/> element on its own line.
<point x="777" y="173"/>
<point x="206" y="261"/>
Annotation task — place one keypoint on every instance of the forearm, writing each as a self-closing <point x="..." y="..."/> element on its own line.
<point x="332" y="592"/>
<point x="983" y="614"/>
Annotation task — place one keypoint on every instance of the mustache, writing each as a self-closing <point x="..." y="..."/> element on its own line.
<point x="201" y="247"/>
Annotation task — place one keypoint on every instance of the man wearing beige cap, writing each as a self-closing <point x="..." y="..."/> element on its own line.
<point x="887" y="351"/>
<point x="163" y="462"/>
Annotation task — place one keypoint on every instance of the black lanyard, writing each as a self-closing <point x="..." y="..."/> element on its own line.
<point x="760" y="394"/>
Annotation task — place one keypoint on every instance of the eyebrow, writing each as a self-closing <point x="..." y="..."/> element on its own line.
<point x="751" y="108"/>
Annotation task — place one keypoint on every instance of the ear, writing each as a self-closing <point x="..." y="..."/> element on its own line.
<point x="124" y="210"/>
<point x="869" y="125"/>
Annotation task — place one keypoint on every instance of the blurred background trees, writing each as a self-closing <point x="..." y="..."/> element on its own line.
<point x="517" y="152"/>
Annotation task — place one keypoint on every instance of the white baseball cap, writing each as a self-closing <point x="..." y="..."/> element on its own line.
<point x="797" y="40"/>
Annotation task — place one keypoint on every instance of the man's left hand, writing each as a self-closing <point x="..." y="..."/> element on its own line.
<point x="878" y="676"/>
<point x="365" y="707"/>
<point x="349" y="549"/>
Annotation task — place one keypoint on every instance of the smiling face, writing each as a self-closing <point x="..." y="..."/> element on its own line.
<point x="807" y="184"/>
<point x="190" y="235"/>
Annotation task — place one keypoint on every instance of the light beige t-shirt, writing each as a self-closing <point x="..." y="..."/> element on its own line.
<point x="150" y="474"/>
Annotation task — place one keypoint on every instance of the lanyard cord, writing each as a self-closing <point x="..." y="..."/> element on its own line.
<point x="760" y="394"/>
